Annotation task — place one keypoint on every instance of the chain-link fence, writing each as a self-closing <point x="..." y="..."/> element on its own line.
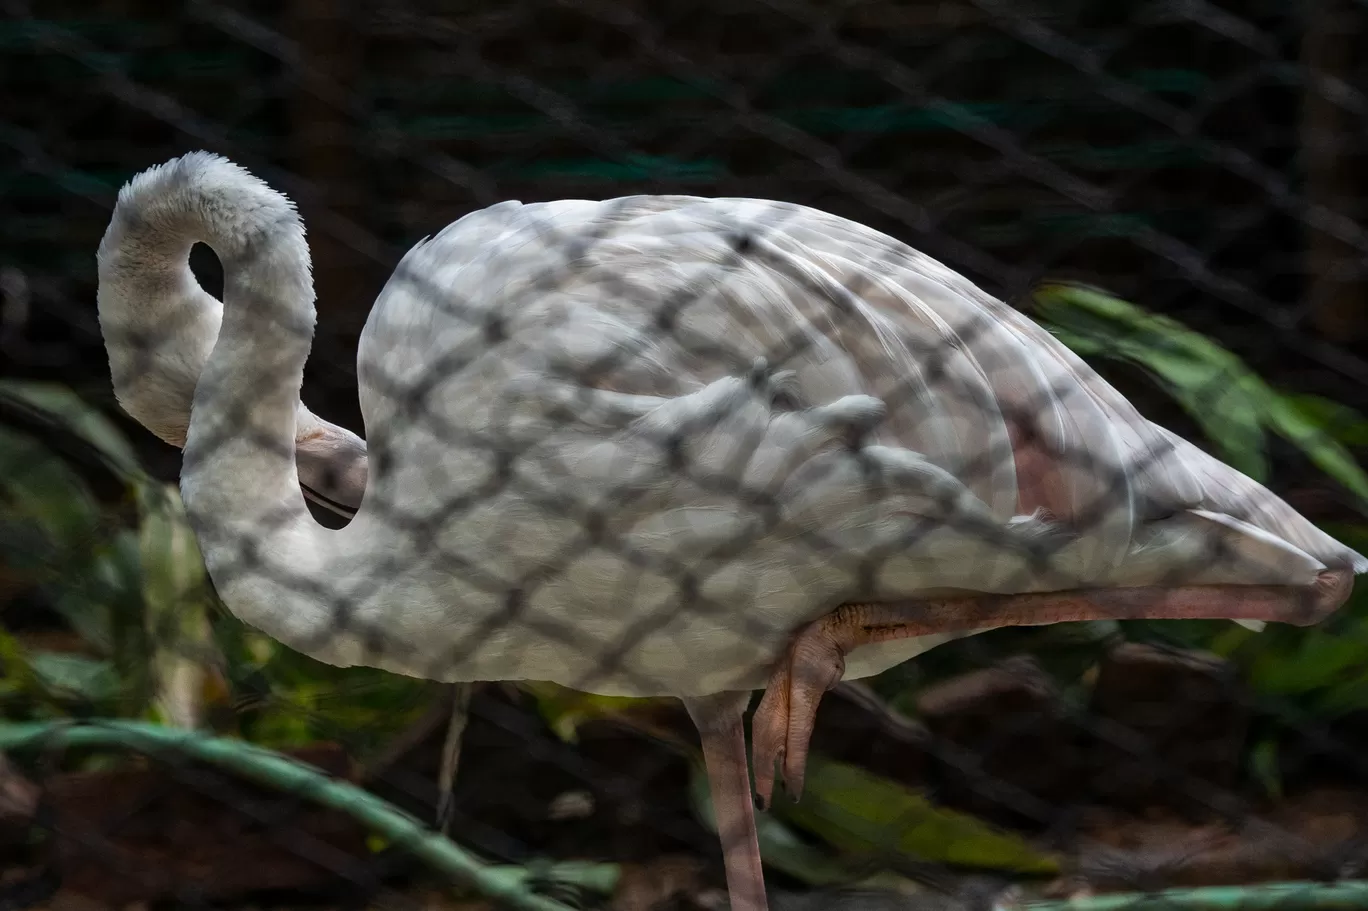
<point x="652" y="446"/>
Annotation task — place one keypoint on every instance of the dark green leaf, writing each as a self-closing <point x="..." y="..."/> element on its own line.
<point x="1290" y="417"/>
<point x="1233" y="406"/>
<point x="66" y="409"/>
<point x="1338" y="420"/>
<point x="288" y="699"/>
<point x="90" y="679"/>
<point x="104" y="596"/>
<point x="564" y="710"/>
<point x="1212" y="385"/>
<point x="1263" y="766"/>
<point x="42" y="490"/>
<point x="1320" y="659"/>
<point x="864" y="814"/>
<point x="780" y="847"/>
<point x="175" y="601"/>
<point x="173" y="573"/>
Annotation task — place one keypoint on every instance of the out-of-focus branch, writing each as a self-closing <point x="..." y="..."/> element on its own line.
<point x="1305" y="896"/>
<point x="509" y="885"/>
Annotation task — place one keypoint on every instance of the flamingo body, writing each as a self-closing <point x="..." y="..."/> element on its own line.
<point x="648" y="446"/>
<point x="603" y="355"/>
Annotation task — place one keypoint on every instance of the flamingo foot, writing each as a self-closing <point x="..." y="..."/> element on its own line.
<point x="782" y="725"/>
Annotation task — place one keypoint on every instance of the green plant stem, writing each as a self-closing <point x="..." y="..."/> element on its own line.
<point x="508" y="884"/>
<point x="587" y="875"/>
<point x="1291" y="896"/>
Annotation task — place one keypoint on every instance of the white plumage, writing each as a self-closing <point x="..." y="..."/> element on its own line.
<point x="632" y="446"/>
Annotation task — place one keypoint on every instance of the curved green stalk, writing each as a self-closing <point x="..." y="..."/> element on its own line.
<point x="1290" y="896"/>
<point x="507" y="884"/>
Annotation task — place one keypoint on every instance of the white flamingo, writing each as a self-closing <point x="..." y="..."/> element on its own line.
<point x="667" y="446"/>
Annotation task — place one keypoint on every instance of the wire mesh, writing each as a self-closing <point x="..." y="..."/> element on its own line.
<point x="631" y="447"/>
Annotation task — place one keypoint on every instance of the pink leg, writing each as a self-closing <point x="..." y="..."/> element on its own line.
<point x="782" y="725"/>
<point x="719" y="722"/>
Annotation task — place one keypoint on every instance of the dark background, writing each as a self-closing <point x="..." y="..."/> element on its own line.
<point x="1204" y="160"/>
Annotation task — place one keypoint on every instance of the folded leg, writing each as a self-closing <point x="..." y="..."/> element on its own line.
<point x="782" y="725"/>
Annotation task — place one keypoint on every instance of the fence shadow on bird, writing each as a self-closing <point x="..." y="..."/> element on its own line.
<point x="625" y="459"/>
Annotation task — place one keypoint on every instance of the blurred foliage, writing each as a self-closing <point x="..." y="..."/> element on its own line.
<point x="82" y="558"/>
<point x="864" y="815"/>
<point x="871" y="823"/>
<point x="143" y="636"/>
<point x="1234" y="407"/>
<point x="1322" y="670"/>
<point x="124" y="574"/>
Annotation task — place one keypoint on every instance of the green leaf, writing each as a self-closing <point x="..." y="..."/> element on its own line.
<point x="52" y="523"/>
<point x="282" y="729"/>
<point x="1305" y="427"/>
<point x="1214" y="386"/>
<point x="176" y="599"/>
<point x="101" y="599"/>
<point x="780" y="847"/>
<point x="1353" y="535"/>
<point x="173" y="570"/>
<point x="1107" y="318"/>
<point x="564" y="710"/>
<point x="43" y="493"/>
<point x="1230" y="418"/>
<point x="1231" y="640"/>
<point x="116" y="578"/>
<point x="1233" y="406"/>
<point x="64" y="408"/>
<point x="1318" y="660"/>
<point x="1263" y="767"/>
<point x="118" y="571"/>
<point x="90" y="679"/>
<point x="17" y="676"/>
<point x="864" y="814"/>
<point x="1082" y="345"/>
<point x="287" y="699"/>
<point x="1319" y="668"/>
<point x="86" y="613"/>
<point x="1338" y="420"/>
